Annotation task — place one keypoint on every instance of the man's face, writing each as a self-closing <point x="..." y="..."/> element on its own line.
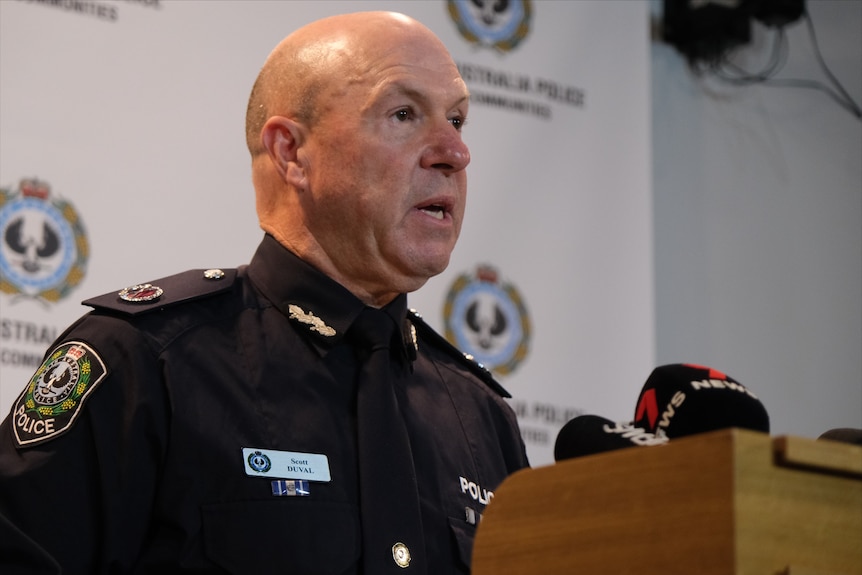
<point x="384" y="163"/>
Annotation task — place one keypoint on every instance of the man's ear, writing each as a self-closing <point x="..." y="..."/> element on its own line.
<point x="282" y="138"/>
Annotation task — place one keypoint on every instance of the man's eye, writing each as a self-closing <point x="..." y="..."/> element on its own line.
<point x="403" y="115"/>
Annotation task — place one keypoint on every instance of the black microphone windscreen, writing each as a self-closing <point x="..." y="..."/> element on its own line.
<point x="685" y="399"/>
<point x="844" y="435"/>
<point x="590" y="434"/>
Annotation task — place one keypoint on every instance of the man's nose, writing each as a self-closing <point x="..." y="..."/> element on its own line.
<point x="446" y="151"/>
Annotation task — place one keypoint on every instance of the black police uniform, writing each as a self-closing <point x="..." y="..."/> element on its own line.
<point x="140" y="445"/>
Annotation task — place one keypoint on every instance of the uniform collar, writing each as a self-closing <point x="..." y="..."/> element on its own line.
<point x="321" y="309"/>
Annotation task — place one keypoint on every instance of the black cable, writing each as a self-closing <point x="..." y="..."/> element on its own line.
<point x="851" y="105"/>
<point x="729" y="72"/>
<point x="845" y="103"/>
<point x="734" y="74"/>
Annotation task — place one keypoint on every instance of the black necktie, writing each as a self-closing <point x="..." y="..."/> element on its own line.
<point x="389" y="501"/>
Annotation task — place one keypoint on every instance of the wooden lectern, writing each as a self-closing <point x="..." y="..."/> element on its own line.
<point x="730" y="502"/>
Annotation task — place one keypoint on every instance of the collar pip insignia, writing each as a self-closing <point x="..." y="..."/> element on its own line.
<point x="411" y="341"/>
<point x="314" y="322"/>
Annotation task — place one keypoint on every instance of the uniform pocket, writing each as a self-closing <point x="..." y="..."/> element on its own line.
<point x="285" y="536"/>
<point x="464" y="533"/>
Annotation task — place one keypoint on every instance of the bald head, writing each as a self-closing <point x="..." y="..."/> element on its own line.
<point x="318" y="58"/>
<point x="358" y="161"/>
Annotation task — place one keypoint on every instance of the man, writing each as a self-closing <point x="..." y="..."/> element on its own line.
<point x="217" y="421"/>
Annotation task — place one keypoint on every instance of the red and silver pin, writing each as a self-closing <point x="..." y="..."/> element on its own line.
<point x="141" y="293"/>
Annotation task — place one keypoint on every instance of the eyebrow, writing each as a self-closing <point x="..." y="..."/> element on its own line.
<point x="404" y="89"/>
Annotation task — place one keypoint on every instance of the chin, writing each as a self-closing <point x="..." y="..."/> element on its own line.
<point x="415" y="276"/>
<point x="424" y="261"/>
<point x="435" y="267"/>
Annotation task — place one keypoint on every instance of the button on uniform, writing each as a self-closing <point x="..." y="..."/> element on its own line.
<point x="401" y="555"/>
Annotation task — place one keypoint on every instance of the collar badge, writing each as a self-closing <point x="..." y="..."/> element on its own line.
<point x="411" y="342"/>
<point x="315" y="323"/>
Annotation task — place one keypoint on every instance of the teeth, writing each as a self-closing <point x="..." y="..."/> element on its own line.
<point x="434" y="211"/>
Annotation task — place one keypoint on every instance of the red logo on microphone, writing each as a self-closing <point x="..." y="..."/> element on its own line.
<point x="648" y="404"/>
<point x="713" y="373"/>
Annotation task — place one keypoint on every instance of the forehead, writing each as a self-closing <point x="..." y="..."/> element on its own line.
<point x="419" y="68"/>
<point x="420" y="82"/>
<point x="362" y="65"/>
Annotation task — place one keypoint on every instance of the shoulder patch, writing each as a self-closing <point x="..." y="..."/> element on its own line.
<point x="477" y="368"/>
<point x="166" y="292"/>
<point x="53" y="399"/>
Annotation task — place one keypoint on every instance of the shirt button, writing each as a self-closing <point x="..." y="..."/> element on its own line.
<point x="401" y="555"/>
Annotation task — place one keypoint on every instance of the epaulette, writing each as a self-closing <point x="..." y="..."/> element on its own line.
<point x="474" y="366"/>
<point x="165" y="292"/>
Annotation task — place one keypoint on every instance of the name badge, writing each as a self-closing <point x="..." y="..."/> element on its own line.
<point x="285" y="464"/>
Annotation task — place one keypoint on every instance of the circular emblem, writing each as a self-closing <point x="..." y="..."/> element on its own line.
<point x="501" y="25"/>
<point x="401" y="555"/>
<point x="57" y="382"/>
<point x="141" y="293"/>
<point x="43" y="246"/>
<point x="259" y="462"/>
<point x="487" y="320"/>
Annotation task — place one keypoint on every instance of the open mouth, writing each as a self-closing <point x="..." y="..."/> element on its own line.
<point x="435" y="211"/>
<point x="438" y="207"/>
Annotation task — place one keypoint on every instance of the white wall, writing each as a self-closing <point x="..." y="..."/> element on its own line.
<point x="758" y="224"/>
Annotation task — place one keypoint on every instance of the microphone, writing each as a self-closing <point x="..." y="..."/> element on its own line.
<point x="844" y="435"/>
<point x="685" y="399"/>
<point x="590" y="434"/>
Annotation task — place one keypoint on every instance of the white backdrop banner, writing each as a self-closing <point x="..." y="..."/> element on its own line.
<point x="122" y="160"/>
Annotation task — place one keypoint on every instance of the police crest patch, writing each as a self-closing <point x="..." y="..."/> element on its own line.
<point x="56" y="392"/>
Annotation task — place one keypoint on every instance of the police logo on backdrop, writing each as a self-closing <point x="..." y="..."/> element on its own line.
<point x="56" y="392"/>
<point x="43" y="245"/>
<point x="500" y="24"/>
<point x="488" y="320"/>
